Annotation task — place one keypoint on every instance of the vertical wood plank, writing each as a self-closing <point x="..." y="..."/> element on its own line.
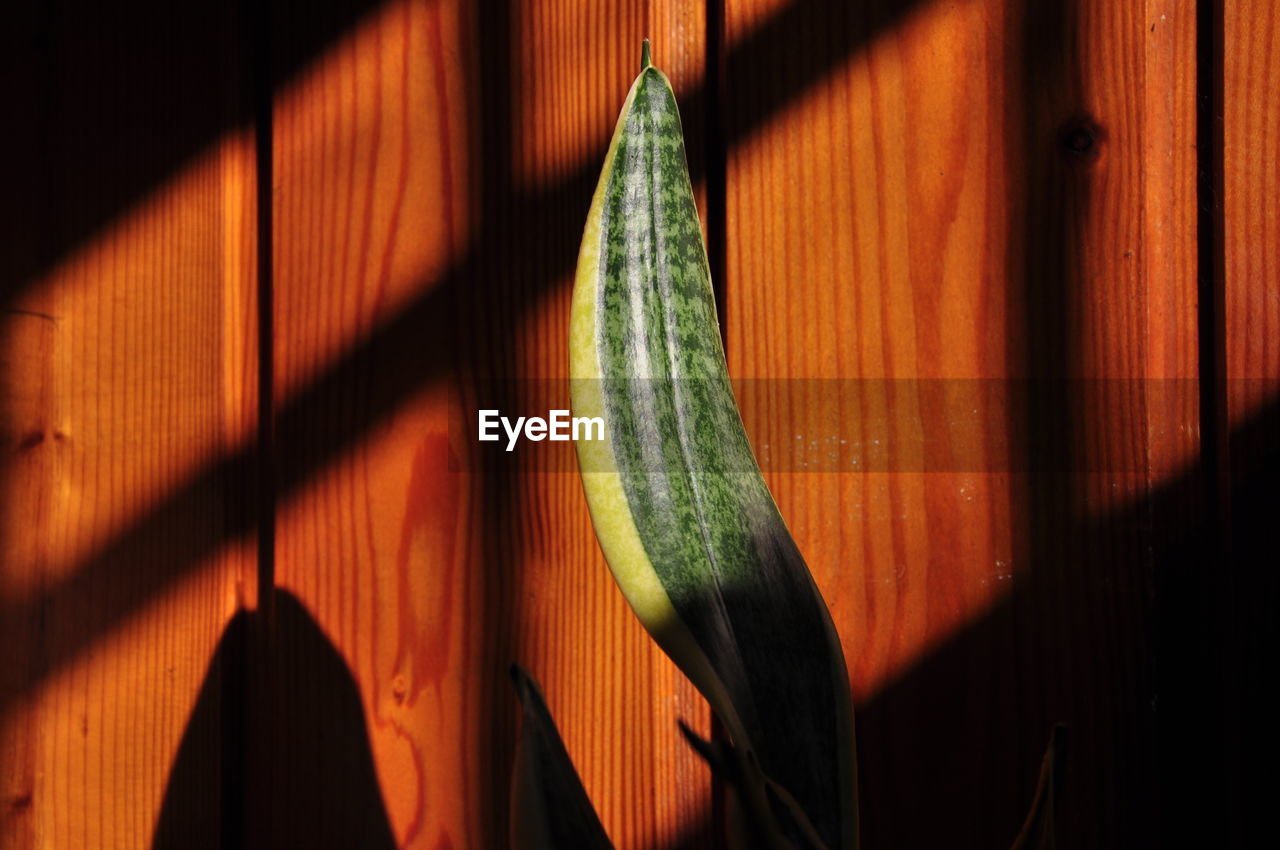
<point x="1252" y="228"/>
<point x="1250" y="149"/>
<point x="432" y="171"/>
<point x="371" y="157"/>
<point x="127" y="372"/>
<point x="943" y="256"/>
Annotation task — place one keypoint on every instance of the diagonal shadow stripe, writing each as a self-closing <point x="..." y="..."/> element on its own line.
<point x="161" y="547"/>
<point x="111" y="101"/>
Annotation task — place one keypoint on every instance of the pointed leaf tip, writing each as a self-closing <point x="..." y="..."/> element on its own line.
<point x="645" y="62"/>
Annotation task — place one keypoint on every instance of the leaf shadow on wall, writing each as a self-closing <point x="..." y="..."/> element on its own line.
<point x="276" y="753"/>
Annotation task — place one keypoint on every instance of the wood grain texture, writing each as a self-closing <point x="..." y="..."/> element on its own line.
<point x="127" y="369"/>
<point x="432" y="171"/>
<point x="1251" y="172"/>
<point x="969" y="221"/>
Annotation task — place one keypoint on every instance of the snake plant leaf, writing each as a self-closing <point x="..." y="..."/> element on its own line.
<point x="688" y="526"/>
<point x="1039" y="830"/>
<point x="550" y="809"/>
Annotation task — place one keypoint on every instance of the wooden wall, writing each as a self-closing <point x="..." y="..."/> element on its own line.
<point x="260" y="264"/>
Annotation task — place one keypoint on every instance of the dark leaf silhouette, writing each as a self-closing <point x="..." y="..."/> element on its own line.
<point x="276" y="753"/>
<point x="549" y="806"/>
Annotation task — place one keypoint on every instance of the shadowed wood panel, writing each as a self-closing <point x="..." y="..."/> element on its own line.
<point x="432" y="173"/>
<point x="1250" y="104"/>
<point x="127" y="368"/>
<point x="963" y="255"/>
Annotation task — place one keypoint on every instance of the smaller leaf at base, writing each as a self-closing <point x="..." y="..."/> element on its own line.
<point x="549" y="807"/>
<point x="758" y="832"/>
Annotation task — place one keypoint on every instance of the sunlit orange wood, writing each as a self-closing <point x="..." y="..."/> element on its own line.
<point x="954" y="207"/>
<point x="423" y="231"/>
<point x="1252" y="227"/>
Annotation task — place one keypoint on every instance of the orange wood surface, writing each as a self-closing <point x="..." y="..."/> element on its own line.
<point x="127" y="373"/>
<point x="907" y="219"/>
<point x="1252" y="219"/>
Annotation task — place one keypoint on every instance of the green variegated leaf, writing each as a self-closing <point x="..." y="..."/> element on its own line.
<point x="681" y="510"/>
<point x="550" y="809"/>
